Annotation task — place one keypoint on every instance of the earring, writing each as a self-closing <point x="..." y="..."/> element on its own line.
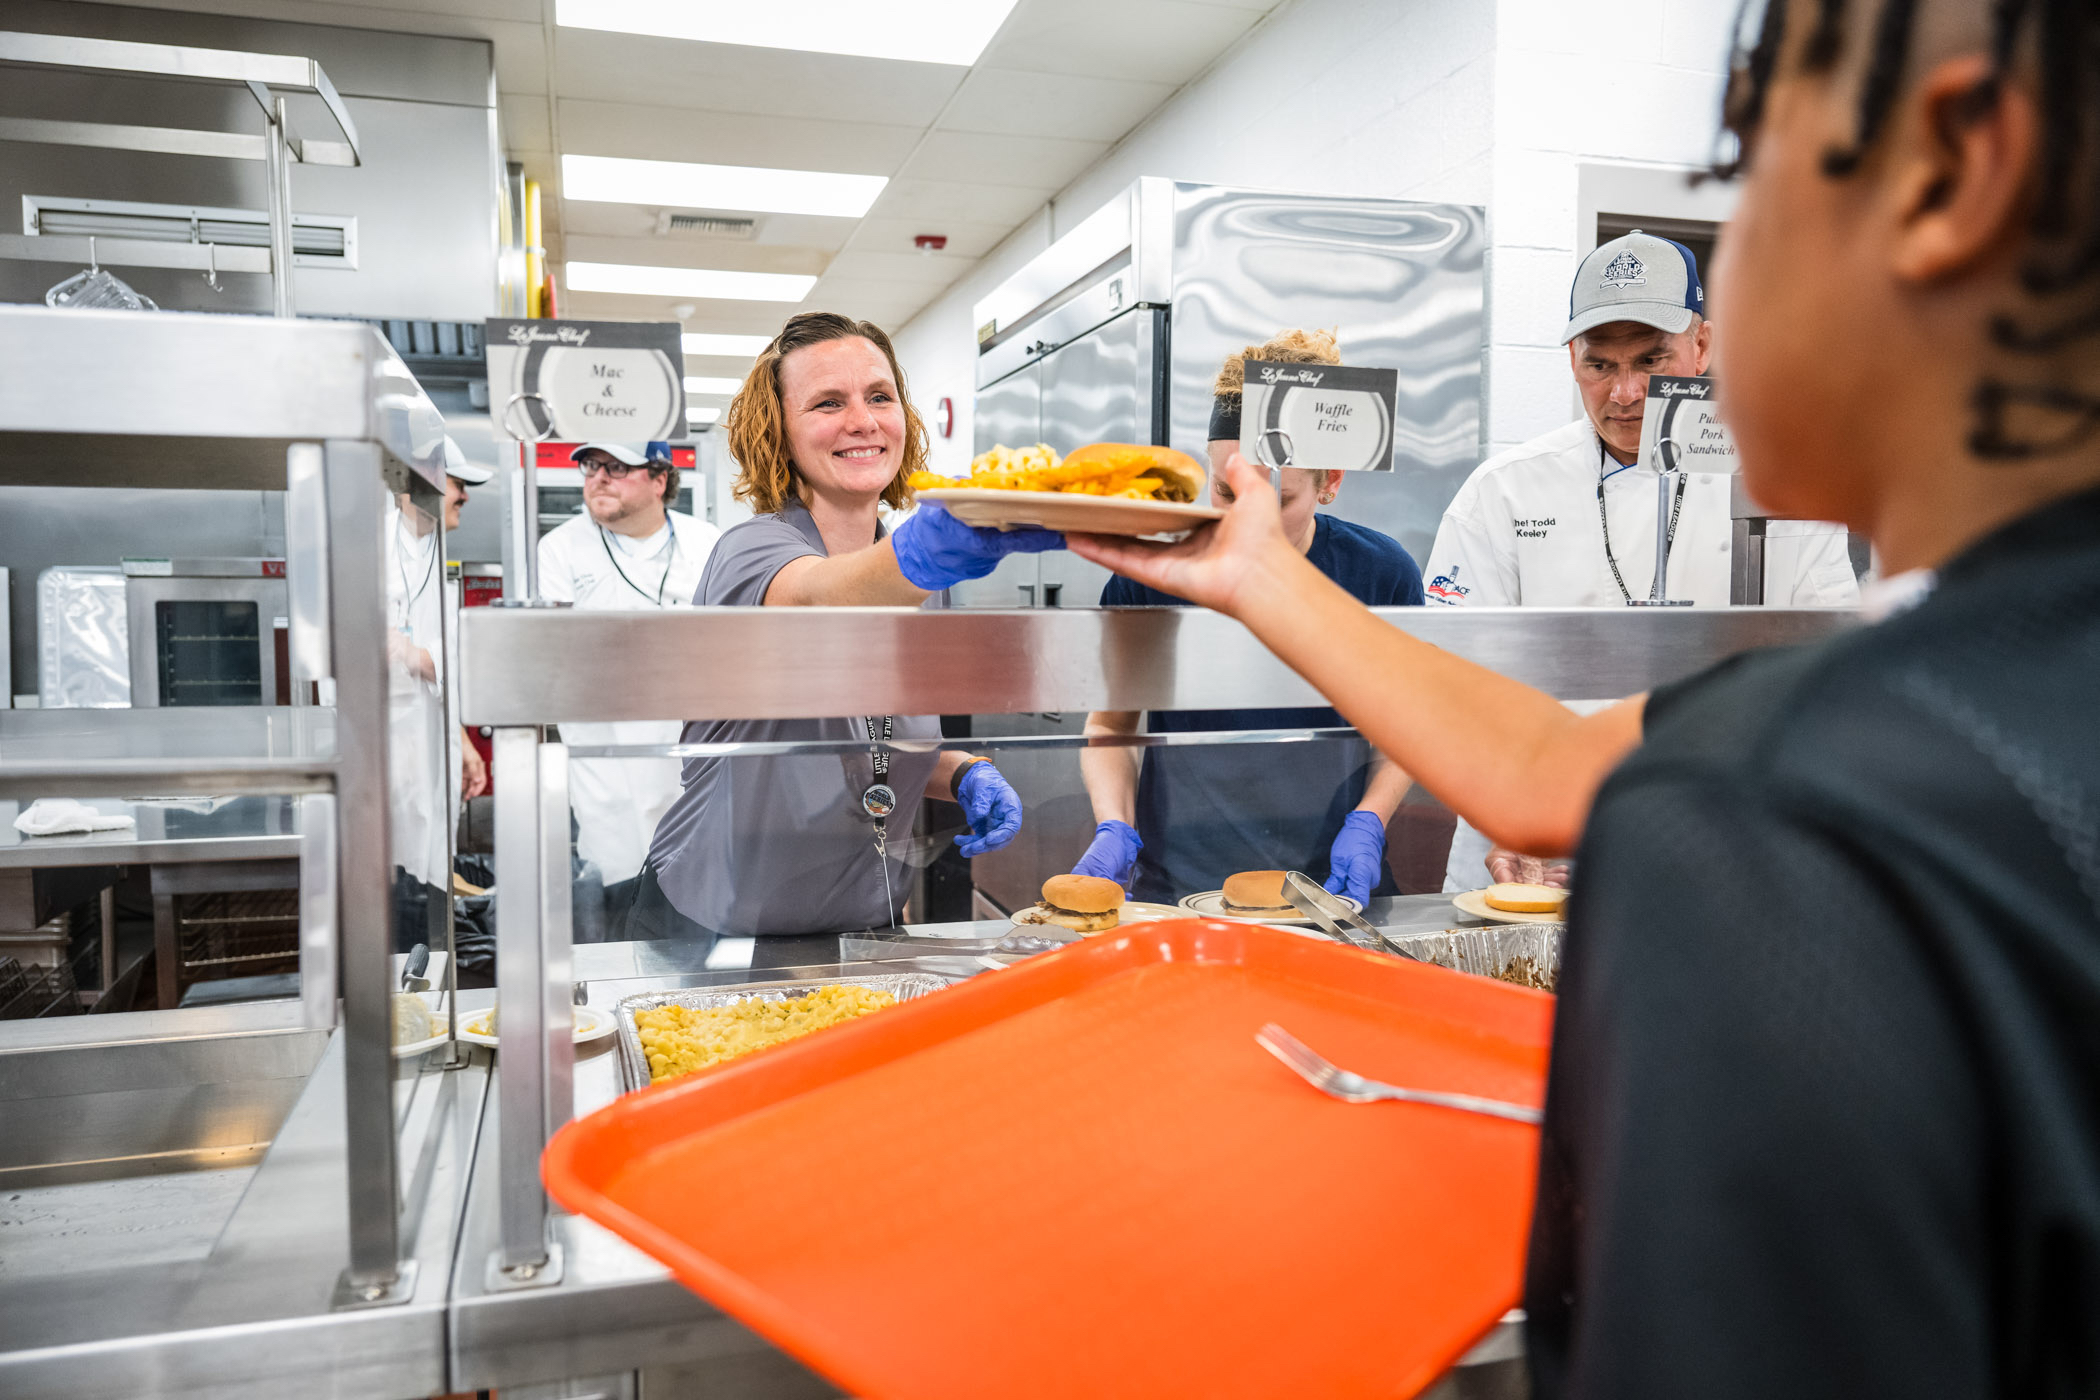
<point x="1327" y="498"/>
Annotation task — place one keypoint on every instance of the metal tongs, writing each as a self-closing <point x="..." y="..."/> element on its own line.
<point x="1330" y="913"/>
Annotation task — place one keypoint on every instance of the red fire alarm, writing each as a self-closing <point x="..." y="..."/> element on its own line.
<point x="944" y="417"/>
<point x="930" y="242"/>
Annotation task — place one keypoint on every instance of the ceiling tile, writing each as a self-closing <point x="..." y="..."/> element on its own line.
<point x="733" y="138"/>
<point x="672" y="252"/>
<point x="857" y="265"/>
<point x="922" y="200"/>
<point x="1155" y="41"/>
<point x="606" y="67"/>
<point x="967" y="238"/>
<point x="887" y="304"/>
<point x="1021" y="103"/>
<point x="773" y="231"/>
<point x="974" y="158"/>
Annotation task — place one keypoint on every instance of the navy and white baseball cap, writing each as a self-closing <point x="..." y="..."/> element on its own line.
<point x="1640" y="277"/>
<point x="657" y="452"/>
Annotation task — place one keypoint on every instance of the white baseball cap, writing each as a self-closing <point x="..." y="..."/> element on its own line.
<point x="457" y="465"/>
<point x="1640" y="277"/>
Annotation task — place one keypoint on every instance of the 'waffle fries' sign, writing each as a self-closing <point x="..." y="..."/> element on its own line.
<point x="1319" y="417"/>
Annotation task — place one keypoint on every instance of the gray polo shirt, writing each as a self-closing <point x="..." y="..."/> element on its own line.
<point x="778" y="843"/>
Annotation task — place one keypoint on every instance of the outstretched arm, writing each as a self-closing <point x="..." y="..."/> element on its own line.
<point x="1510" y="759"/>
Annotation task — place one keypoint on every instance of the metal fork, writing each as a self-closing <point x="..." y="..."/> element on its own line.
<point x="1330" y="1078"/>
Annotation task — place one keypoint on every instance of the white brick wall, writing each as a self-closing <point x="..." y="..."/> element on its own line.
<point x="1576" y="82"/>
<point x="1492" y="102"/>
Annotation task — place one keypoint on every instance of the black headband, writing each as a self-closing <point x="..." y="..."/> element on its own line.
<point x="1225" y="417"/>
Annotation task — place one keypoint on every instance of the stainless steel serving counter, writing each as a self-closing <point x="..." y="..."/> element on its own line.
<point x="211" y="1273"/>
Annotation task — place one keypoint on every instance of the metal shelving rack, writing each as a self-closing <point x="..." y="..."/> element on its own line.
<point x="267" y="77"/>
<point x="325" y="412"/>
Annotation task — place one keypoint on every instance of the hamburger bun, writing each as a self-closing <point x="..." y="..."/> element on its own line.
<point x="1181" y="474"/>
<point x="1525" y="899"/>
<point x="1257" y="892"/>
<point x="1082" y="903"/>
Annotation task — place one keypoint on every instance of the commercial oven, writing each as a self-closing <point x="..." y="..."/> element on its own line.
<point x="207" y="632"/>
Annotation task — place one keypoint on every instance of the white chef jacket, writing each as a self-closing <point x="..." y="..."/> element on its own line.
<point x="618" y="801"/>
<point x="1525" y="530"/>
<point x="419" y="753"/>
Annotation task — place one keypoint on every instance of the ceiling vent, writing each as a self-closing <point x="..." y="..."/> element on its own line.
<point x="318" y="240"/>
<point x="705" y="226"/>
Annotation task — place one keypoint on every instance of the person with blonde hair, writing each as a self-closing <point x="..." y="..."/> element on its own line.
<point x="1177" y="821"/>
<point x="824" y="436"/>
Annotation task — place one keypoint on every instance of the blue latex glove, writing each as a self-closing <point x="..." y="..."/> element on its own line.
<point x="1113" y="856"/>
<point x="1356" y="861"/>
<point x="936" y="551"/>
<point x="992" y="806"/>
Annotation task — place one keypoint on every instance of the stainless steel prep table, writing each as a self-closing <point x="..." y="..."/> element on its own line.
<point x="185" y="848"/>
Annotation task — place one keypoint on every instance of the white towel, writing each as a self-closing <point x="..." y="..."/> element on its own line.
<point x="62" y="816"/>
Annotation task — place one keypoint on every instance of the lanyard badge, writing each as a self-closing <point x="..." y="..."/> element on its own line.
<point x="878" y="800"/>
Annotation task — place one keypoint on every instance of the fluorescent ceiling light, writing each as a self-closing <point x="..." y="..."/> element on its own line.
<point x="686" y="185"/>
<point x="702" y="415"/>
<point x="701" y="282"/>
<point x="705" y="384"/>
<point x="742" y="346"/>
<point x="922" y="31"/>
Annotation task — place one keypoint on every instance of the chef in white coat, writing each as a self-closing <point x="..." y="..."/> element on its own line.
<point x="1568" y="520"/>
<point x="422" y="613"/>
<point x="628" y="550"/>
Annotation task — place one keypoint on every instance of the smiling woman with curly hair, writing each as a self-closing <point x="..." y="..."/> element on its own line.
<point x="824" y="436"/>
<point x="757" y="421"/>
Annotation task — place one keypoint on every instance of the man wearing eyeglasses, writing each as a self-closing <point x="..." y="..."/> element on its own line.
<point x="1568" y="520"/>
<point x="628" y="550"/>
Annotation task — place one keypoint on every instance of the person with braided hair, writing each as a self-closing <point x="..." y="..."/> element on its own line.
<point x="1820" y="1118"/>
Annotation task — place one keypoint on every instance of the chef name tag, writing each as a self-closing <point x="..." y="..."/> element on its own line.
<point x="1318" y="417"/>
<point x="1681" y="427"/>
<point x="586" y="381"/>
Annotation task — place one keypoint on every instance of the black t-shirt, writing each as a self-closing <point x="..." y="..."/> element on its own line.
<point x="1824" y="1111"/>
<point x="1211" y="811"/>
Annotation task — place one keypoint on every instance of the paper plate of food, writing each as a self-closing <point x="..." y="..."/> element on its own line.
<point x="480" y="1026"/>
<point x="1087" y="904"/>
<point x="1107" y="488"/>
<point x="1254" y="897"/>
<point x="1515" y="904"/>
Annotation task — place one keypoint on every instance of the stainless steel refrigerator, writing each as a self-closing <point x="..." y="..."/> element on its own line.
<point x="1114" y="334"/>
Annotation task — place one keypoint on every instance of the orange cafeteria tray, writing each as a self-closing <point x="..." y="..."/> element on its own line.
<point x="1080" y="1176"/>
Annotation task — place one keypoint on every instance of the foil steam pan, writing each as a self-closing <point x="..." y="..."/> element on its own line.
<point x="1503" y="951"/>
<point x="634" y="1065"/>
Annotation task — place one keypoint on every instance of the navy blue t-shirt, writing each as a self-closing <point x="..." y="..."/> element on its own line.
<point x="1206" y="812"/>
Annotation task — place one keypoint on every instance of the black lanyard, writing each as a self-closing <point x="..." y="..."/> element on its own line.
<point x="1669" y="538"/>
<point x="880" y="756"/>
<point x="662" y="583"/>
<point x="878" y="800"/>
